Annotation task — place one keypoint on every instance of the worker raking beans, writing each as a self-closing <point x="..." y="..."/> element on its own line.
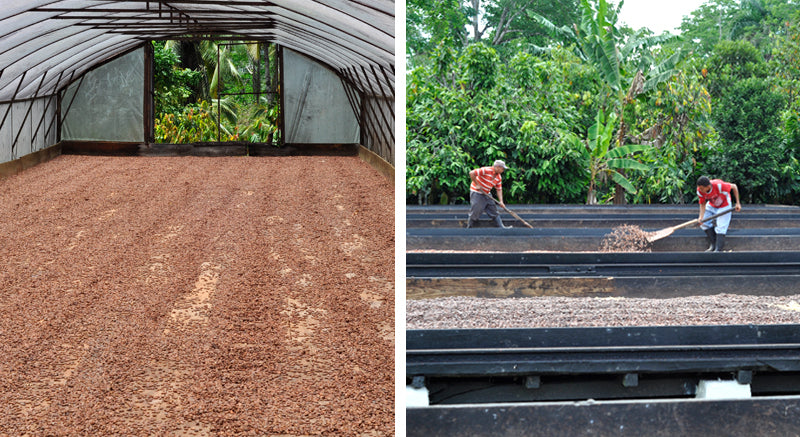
<point x="715" y="196"/>
<point x="480" y="198"/>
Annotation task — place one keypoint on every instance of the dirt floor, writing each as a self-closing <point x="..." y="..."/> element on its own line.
<point x="552" y="312"/>
<point x="192" y="296"/>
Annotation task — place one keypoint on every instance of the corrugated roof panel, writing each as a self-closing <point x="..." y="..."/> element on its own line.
<point x="15" y="7"/>
<point x="51" y="50"/>
<point x="357" y="43"/>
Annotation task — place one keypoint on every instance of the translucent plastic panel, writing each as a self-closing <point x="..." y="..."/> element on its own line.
<point x="22" y="128"/>
<point x="107" y="104"/>
<point x="379" y="138"/>
<point x="50" y="123"/>
<point x="316" y="108"/>
<point x="38" y="138"/>
<point x="6" y="137"/>
<point x="33" y="135"/>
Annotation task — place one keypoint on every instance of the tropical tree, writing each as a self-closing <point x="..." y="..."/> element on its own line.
<point x="431" y="26"/>
<point x="708" y="25"/>
<point x="621" y="63"/>
<point x="786" y="63"/>
<point x="598" y="40"/>
<point x="491" y="111"/>
<point x="563" y="111"/>
<point x="173" y="85"/>
<point x="512" y="23"/>
<point x="676" y="121"/>
<point x="731" y="62"/>
<point x="751" y="148"/>
<point x="747" y="118"/>
<point x="755" y="21"/>
<point x="604" y="161"/>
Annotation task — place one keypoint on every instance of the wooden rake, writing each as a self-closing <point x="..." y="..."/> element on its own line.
<point x="511" y="212"/>
<point x="657" y="235"/>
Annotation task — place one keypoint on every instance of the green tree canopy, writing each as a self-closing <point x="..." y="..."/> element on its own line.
<point x="514" y="80"/>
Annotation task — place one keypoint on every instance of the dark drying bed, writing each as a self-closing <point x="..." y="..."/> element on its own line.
<point x="596" y="356"/>
<point x="604" y="381"/>
<point x="590" y="239"/>
<point x="760" y="216"/>
<point x="652" y="274"/>
<point x="578" y="228"/>
<point x="599" y="220"/>
<point x="501" y="365"/>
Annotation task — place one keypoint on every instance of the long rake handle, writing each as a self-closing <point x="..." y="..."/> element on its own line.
<point x="666" y="232"/>
<point x="511" y="212"/>
<point x="698" y="221"/>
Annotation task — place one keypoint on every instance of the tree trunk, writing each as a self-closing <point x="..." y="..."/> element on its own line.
<point x="476" y="33"/>
<point x="591" y="198"/>
<point x="268" y="73"/>
<point x="190" y="58"/>
<point x="257" y="75"/>
<point x="619" y="194"/>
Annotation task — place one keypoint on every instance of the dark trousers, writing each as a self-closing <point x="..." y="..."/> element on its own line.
<point x="480" y="203"/>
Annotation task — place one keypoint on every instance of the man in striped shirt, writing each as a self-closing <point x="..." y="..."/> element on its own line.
<point x="480" y="198"/>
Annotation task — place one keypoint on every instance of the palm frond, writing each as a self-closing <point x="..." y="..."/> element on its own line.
<point x="226" y="106"/>
<point x="554" y="31"/>
<point x="253" y="51"/>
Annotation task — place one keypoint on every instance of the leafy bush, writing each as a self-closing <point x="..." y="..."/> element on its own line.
<point x="437" y="173"/>
<point x="748" y="120"/>
<point x="731" y="62"/>
<point x="548" y="167"/>
<point x="518" y="119"/>
<point x="196" y="123"/>
<point x="261" y="123"/>
<point x="480" y="64"/>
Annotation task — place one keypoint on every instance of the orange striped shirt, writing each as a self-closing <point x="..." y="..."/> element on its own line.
<point x="487" y="179"/>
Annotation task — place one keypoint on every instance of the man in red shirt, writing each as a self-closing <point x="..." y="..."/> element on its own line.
<point x="715" y="196"/>
<point x="480" y="200"/>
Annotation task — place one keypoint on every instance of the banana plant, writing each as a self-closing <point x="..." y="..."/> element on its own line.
<point x="628" y="68"/>
<point x="605" y="161"/>
<point x="598" y="41"/>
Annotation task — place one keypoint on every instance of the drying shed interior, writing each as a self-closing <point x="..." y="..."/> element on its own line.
<point x="80" y="71"/>
<point x="195" y="295"/>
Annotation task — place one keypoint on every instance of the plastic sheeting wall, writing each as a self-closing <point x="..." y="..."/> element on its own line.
<point x="378" y="111"/>
<point x="30" y="126"/>
<point x="109" y="102"/>
<point x="316" y="109"/>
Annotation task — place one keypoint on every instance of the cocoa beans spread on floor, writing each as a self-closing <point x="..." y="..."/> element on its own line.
<point x="193" y="296"/>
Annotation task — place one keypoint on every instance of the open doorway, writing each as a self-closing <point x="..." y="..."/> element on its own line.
<point x="217" y="91"/>
<point x="219" y="98"/>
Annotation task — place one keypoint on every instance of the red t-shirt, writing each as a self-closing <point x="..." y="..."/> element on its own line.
<point x="719" y="196"/>
<point x="487" y="179"/>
